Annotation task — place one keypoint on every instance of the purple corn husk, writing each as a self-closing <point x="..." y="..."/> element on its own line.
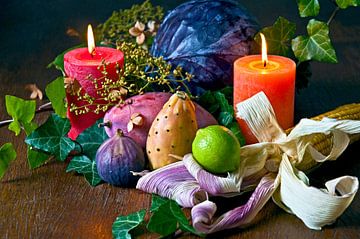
<point x="202" y="214"/>
<point x="175" y="182"/>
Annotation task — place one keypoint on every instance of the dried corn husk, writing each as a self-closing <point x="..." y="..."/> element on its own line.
<point x="276" y="154"/>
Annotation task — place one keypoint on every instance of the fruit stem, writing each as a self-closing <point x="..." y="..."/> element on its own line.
<point x="119" y="133"/>
<point x="105" y="124"/>
<point x="181" y="95"/>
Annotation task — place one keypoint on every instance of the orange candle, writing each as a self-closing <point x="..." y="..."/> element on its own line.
<point x="275" y="76"/>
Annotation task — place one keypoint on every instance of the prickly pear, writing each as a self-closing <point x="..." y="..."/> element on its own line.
<point x="145" y="108"/>
<point x="172" y="131"/>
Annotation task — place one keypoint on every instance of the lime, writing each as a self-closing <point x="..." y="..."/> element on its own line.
<point x="216" y="149"/>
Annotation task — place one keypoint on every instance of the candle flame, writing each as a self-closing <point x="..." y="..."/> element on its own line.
<point x="90" y="40"/>
<point x="263" y="49"/>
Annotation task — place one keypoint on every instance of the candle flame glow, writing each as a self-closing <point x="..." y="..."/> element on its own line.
<point x="90" y="40"/>
<point x="263" y="49"/>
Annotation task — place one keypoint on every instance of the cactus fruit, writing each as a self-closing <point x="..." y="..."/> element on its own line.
<point x="135" y="116"/>
<point x="172" y="131"/>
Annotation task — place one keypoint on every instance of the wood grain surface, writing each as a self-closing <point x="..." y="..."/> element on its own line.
<point x="49" y="203"/>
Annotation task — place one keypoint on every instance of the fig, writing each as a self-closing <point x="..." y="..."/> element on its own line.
<point x="117" y="157"/>
<point x="135" y="116"/>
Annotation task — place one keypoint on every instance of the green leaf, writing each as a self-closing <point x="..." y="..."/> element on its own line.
<point x="308" y="8"/>
<point x="278" y="36"/>
<point x="29" y="127"/>
<point x="58" y="62"/>
<point x="156" y="202"/>
<point x="124" y="224"/>
<point x="315" y="46"/>
<point x="15" y="127"/>
<point x="22" y="112"/>
<point x="181" y="218"/>
<point x="347" y="3"/>
<point x="52" y="137"/>
<point x="163" y="221"/>
<point x="82" y="164"/>
<point x="209" y="102"/>
<point x="7" y="154"/>
<point x="234" y="127"/>
<point x="226" y="115"/>
<point x="91" y="139"/>
<point x="36" y="158"/>
<point x="228" y="92"/>
<point x="55" y="91"/>
<point x="166" y="217"/>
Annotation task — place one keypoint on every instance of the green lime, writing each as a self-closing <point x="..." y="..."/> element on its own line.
<point x="216" y="149"/>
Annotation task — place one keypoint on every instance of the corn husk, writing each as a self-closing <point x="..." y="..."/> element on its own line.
<point x="271" y="167"/>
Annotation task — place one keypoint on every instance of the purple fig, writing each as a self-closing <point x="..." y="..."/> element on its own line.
<point x="117" y="157"/>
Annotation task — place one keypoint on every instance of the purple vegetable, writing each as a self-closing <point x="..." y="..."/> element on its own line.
<point x="146" y="106"/>
<point x="117" y="157"/>
<point x="205" y="37"/>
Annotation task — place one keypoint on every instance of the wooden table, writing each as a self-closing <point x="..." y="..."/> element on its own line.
<point x="49" y="203"/>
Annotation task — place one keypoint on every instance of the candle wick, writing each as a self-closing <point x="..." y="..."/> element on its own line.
<point x="92" y="53"/>
<point x="264" y="63"/>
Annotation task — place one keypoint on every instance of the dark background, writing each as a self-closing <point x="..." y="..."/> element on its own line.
<point x="32" y="33"/>
<point x="49" y="203"/>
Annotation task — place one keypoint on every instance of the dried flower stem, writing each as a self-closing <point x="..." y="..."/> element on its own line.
<point x="333" y="15"/>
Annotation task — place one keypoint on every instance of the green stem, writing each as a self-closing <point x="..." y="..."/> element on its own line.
<point x="333" y="15"/>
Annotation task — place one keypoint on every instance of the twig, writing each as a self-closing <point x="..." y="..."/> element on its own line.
<point x="42" y="108"/>
<point x="44" y="105"/>
<point x="5" y="122"/>
<point x="333" y="15"/>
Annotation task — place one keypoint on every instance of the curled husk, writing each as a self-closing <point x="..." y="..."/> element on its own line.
<point x="117" y="157"/>
<point x="278" y="154"/>
<point x="175" y="182"/>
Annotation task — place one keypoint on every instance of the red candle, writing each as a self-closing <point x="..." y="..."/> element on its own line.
<point x="275" y="76"/>
<point x="84" y="65"/>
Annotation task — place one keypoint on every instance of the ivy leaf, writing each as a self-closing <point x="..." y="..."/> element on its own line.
<point x="124" y="224"/>
<point x="36" y="158"/>
<point x="91" y="139"/>
<point x="52" y="137"/>
<point x="22" y="112"/>
<point x="315" y="46"/>
<point x="226" y="115"/>
<point x="55" y="91"/>
<point x="278" y="36"/>
<point x="15" y="127"/>
<point x="228" y="92"/>
<point x="209" y="102"/>
<point x="156" y="202"/>
<point x="58" y="62"/>
<point x="30" y="127"/>
<point x="163" y="221"/>
<point x="234" y="127"/>
<point x="181" y="218"/>
<point x="308" y="8"/>
<point x="166" y="217"/>
<point x="347" y="3"/>
<point x="7" y="154"/>
<point x="82" y="164"/>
